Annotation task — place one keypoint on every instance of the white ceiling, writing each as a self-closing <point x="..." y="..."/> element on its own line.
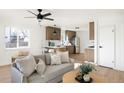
<point x="62" y="17"/>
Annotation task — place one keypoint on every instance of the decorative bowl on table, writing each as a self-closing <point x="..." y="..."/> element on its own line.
<point x="83" y="75"/>
<point x="81" y="80"/>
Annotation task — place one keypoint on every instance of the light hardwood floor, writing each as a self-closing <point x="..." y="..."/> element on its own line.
<point x="5" y="75"/>
<point x="110" y="75"/>
<point x="79" y="57"/>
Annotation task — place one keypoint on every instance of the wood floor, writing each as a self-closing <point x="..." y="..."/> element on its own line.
<point x="5" y="75"/>
<point x="79" y="57"/>
<point x="110" y="75"/>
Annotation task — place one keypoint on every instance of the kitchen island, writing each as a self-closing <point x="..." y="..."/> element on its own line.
<point x="60" y="48"/>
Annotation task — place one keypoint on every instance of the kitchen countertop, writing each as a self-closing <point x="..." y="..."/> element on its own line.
<point x="54" y="47"/>
<point x="90" y="48"/>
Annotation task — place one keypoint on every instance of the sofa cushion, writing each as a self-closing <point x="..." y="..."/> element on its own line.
<point x="39" y="56"/>
<point x="55" y="59"/>
<point x="41" y="66"/>
<point x="52" y="72"/>
<point x="26" y="65"/>
<point x="56" y="70"/>
<point x="64" y="56"/>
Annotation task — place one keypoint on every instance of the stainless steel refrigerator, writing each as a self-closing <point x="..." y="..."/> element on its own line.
<point x="77" y="45"/>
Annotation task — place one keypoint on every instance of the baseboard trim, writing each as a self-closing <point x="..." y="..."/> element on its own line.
<point x="5" y="65"/>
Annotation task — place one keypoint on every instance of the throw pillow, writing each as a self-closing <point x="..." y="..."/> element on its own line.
<point x="48" y="58"/>
<point x="41" y="66"/>
<point x="37" y="57"/>
<point x="26" y="65"/>
<point x="64" y="56"/>
<point x="55" y="59"/>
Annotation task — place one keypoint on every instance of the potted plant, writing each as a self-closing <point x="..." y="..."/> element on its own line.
<point x="84" y="71"/>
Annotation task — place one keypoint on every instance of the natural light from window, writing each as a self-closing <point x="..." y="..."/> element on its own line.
<point x="16" y="38"/>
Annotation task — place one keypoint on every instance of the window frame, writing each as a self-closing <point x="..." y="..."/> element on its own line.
<point x="17" y="45"/>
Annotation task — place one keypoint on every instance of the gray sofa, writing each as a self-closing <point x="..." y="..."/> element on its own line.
<point x="53" y="73"/>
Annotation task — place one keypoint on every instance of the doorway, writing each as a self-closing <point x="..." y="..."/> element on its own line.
<point x="106" y="48"/>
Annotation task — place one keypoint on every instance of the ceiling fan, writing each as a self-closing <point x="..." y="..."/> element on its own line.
<point x="40" y="16"/>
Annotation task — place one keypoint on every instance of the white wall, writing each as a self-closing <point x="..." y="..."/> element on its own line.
<point x="119" y="47"/>
<point x="84" y="40"/>
<point x="37" y="38"/>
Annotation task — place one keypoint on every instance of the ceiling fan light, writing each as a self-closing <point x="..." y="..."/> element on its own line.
<point x="40" y="16"/>
<point x="39" y="20"/>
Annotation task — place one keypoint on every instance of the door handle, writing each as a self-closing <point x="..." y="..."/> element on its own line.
<point x="100" y="47"/>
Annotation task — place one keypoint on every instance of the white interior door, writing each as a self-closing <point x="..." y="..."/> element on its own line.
<point x="106" y="46"/>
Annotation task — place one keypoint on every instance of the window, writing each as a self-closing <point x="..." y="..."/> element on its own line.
<point x="23" y="38"/>
<point x="16" y="38"/>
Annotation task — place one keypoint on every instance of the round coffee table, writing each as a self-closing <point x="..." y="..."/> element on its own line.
<point x="69" y="77"/>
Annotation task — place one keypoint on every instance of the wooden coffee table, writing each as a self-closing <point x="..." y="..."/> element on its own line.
<point x="69" y="77"/>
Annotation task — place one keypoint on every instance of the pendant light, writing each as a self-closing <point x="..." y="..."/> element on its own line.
<point x="54" y="32"/>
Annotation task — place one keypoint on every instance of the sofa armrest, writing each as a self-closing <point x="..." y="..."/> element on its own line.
<point x="17" y="76"/>
<point x="72" y="60"/>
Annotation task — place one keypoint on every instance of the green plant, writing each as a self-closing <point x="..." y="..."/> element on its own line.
<point x="86" y="68"/>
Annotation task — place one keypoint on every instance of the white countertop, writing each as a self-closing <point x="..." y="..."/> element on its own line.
<point x="54" y="47"/>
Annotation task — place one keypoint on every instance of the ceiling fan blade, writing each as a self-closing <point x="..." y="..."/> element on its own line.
<point x="32" y="13"/>
<point x="49" y="19"/>
<point x="29" y="17"/>
<point x="47" y="14"/>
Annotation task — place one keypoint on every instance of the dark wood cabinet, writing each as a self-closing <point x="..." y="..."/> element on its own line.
<point x="53" y="33"/>
<point x="89" y="55"/>
<point x="91" y="30"/>
<point x="70" y="49"/>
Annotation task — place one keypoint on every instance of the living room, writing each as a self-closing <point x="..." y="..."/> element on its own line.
<point x="75" y="21"/>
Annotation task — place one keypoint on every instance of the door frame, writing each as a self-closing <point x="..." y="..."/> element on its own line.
<point x="97" y="42"/>
<point x="96" y="36"/>
<point x="97" y="50"/>
<point x="95" y="20"/>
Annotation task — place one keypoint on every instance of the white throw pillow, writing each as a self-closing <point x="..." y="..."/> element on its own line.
<point x="26" y="65"/>
<point x="64" y="56"/>
<point x="41" y="66"/>
<point x="55" y="59"/>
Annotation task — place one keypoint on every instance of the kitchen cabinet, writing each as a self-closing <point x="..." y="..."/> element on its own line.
<point x="70" y="49"/>
<point x="91" y="31"/>
<point x="53" y="33"/>
<point x="89" y="54"/>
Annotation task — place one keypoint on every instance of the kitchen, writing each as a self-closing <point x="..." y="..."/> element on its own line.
<point x="71" y="40"/>
<point x="67" y="41"/>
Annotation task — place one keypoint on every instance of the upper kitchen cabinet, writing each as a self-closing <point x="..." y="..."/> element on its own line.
<point x="53" y="33"/>
<point x="91" y="30"/>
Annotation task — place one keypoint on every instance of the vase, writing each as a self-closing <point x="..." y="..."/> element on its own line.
<point x="86" y="77"/>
